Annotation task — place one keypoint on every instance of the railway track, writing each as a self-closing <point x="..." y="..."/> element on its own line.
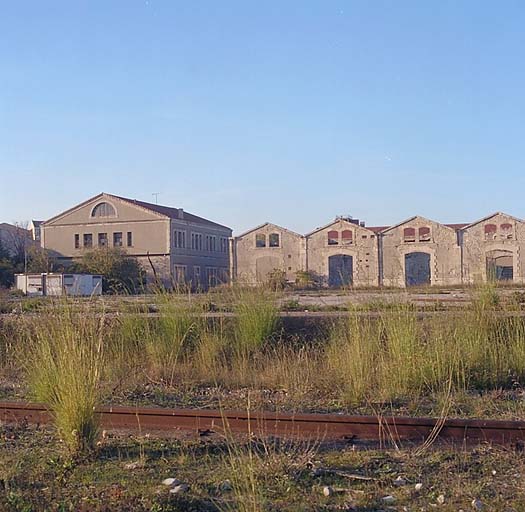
<point x="386" y="429"/>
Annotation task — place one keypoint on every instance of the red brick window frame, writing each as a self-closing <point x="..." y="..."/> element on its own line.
<point x="506" y="230"/>
<point x="409" y="234"/>
<point x="424" y="234"/>
<point x="333" y="237"/>
<point x="347" y="237"/>
<point x="490" y="231"/>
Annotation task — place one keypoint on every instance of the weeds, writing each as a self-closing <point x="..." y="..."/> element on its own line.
<point x="65" y="362"/>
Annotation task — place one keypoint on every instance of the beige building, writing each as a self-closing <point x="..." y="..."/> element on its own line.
<point x="415" y="252"/>
<point x="494" y="248"/>
<point x="260" y="251"/>
<point x="170" y="243"/>
<point x="420" y="251"/>
<point x="343" y="253"/>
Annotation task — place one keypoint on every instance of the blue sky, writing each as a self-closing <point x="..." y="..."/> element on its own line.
<point x="285" y="111"/>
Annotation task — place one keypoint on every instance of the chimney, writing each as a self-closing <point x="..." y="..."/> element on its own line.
<point x="362" y="223"/>
<point x="180" y="213"/>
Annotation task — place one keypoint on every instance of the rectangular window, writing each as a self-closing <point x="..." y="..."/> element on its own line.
<point x="88" y="240"/>
<point x="102" y="239"/>
<point x="196" y="241"/>
<point x="179" y="273"/>
<point x="224" y="244"/>
<point x="274" y="239"/>
<point x="196" y="274"/>
<point x="117" y="239"/>
<point x="77" y="241"/>
<point x="130" y="239"/>
<point x="179" y="239"/>
<point x="409" y="235"/>
<point x="213" y="243"/>
<point x="211" y="276"/>
<point x="260" y="240"/>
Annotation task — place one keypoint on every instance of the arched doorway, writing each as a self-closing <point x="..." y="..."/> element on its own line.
<point x="417" y="269"/>
<point x="340" y="270"/>
<point x="500" y="266"/>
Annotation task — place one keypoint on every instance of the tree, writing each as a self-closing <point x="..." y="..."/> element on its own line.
<point x="121" y="273"/>
<point x="7" y="269"/>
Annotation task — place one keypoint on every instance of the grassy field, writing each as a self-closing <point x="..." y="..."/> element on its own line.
<point x="73" y="355"/>
<point x="126" y="473"/>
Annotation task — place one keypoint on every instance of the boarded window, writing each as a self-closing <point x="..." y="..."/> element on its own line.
<point x="506" y="230"/>
<point x="260" y="240"/>
<point x="409" y="234"/>
<point x="347" y="237"/>
<point x="103" y="210"/>
<point x="424" y="234"/>
<point x="333" y="238"/>
<point x="490" y="231"/>
<point x="274" y="240"/>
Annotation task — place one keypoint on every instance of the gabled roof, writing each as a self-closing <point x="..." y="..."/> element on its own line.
<point x="336" y="221"/>
<point x="268" y="224"/>
<point x="172" y="213"/>
<point x="449" y="226"/>
<point x="467" y="226"/>
<point x="165" y="211"/>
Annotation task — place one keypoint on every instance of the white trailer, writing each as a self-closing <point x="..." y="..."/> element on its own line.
<point x="59" y="284"/>
<point x="30" y="284"/>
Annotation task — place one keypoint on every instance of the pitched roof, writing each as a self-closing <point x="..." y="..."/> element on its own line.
<point x="268" y="224"/>
<point x="335" y="221"/>
<point x="172" y="213"/>
<point x="450" y="226"/>
<point x="490" y="217"/>
<point x="166" y="211"/>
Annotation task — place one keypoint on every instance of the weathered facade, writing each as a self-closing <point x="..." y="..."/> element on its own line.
<point x="343" y="253"/>
<point x="419" y="251"/>
<point x="170" y="243"/>
<point x="264" y="249"/>
<point x="494" y="248"/>
<point x="415" y="252"/>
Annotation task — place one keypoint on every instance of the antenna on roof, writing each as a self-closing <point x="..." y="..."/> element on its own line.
<point x="156" y="194"/>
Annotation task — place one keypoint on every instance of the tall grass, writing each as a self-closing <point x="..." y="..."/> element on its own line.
<point x="65" y="364"/>
<point x="256" y="319"/>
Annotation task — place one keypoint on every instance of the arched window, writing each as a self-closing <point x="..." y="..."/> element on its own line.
<point x="347" y="237"/>
<point x="490" y="231"/>
<point x="506" y="230"/>
<point x="260" y="240"/>
<point x="424" y="234"/>
<point x="333" y="238"/>
<point x="409" y="234"/>
<point x="103" y="210"/>
<point x="274" y="240"/>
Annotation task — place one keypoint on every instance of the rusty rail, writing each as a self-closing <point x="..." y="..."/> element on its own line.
<point x="319" y="426"/>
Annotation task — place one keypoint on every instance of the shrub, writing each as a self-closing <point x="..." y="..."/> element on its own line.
<point x="64" y="363"/>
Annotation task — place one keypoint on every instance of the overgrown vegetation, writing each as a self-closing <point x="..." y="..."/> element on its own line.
<point x="65" y="362"/>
